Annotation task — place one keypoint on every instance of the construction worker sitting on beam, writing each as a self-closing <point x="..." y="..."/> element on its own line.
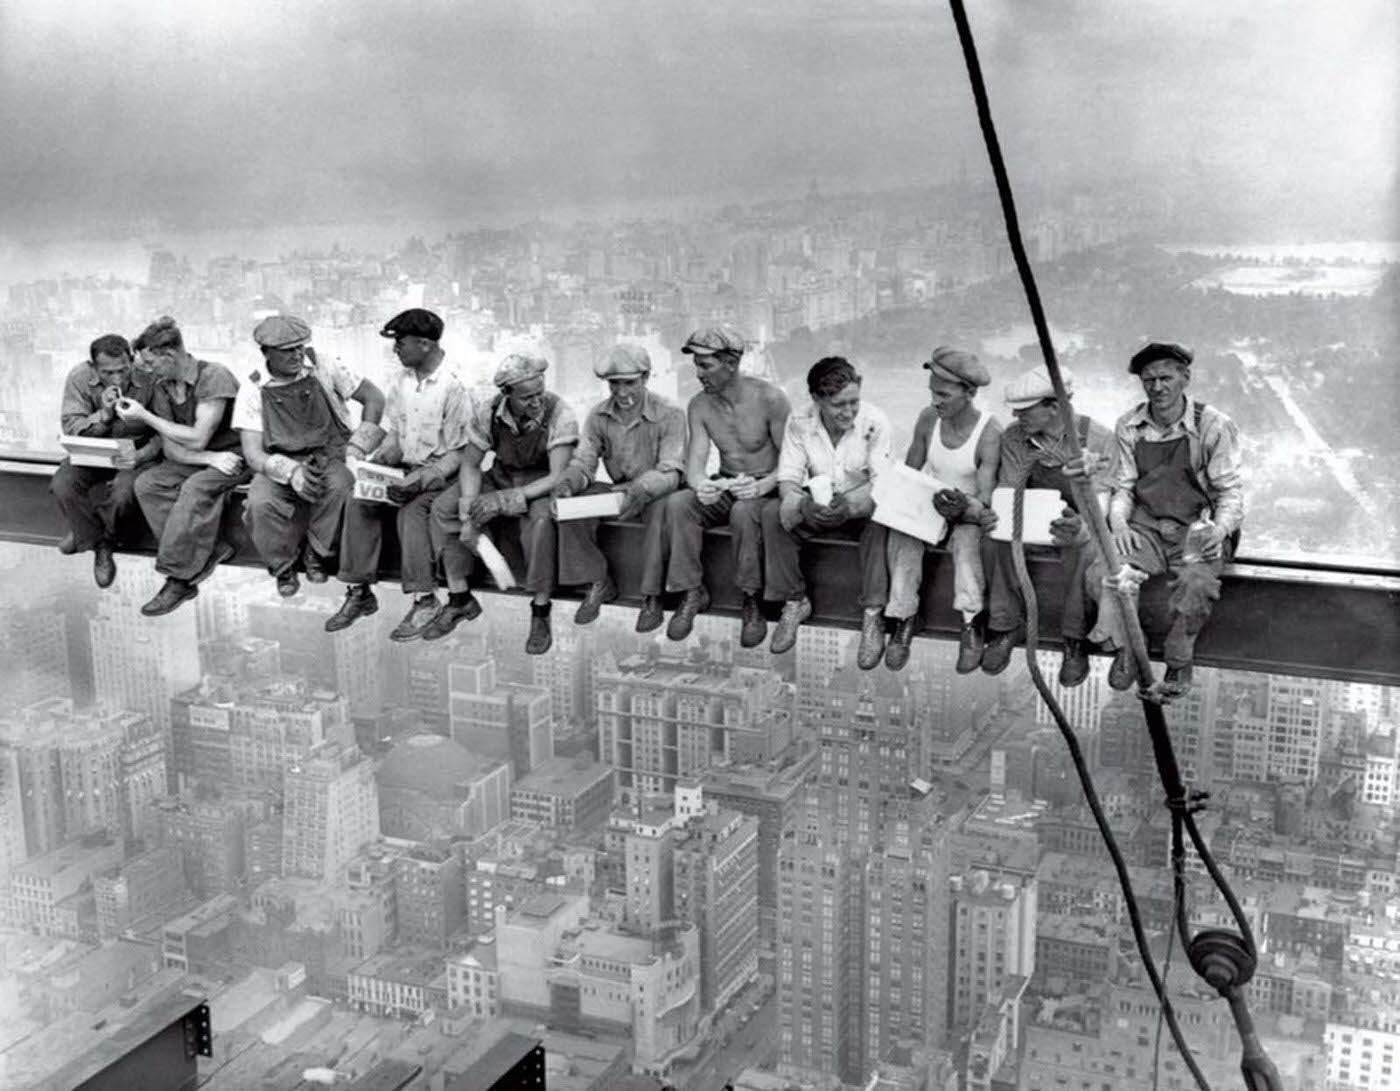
<point x="297" y="434"/>
<point x="1177" y="507"/>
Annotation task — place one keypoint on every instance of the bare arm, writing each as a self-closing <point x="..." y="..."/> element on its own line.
<point x="371" y="400"/>
<point x="697" y="449"/>
<point x="196" y="436"/>
<point x="918" y="442"/>
<point x="988" y="458"/>
<point x="778" y="410"/>
<point x="253" y="452"/>
<point x="186" y="456"/>
<point x="558" y="462"/>
<point x="469" y="480"/>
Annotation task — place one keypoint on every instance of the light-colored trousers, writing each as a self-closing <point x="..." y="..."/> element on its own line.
<point x="905" y="556"/>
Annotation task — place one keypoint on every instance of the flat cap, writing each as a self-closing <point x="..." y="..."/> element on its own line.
<point x="624" y="362"/>
<point x="1159" y="350"/>
<point x="414" y="322"/>
<point x="960" y="366"/>
<point x="517" y="367"/>
<point x="1034" y="386"/>
<point x="281" y="331"/>
<point x="713" y="339"/>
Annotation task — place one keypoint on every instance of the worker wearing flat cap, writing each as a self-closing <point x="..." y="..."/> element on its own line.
<point x="639" y="437"/>
<point x="960" y="445"/>
<point x="743" y="417"/>
<point x="532" y="434"/>
<point x="1036" y="451"/>
<point x="297" y="432"/>
<point x="425" y="424"/>
<point x="842" y="441"/>
<point x="1178" y="465"/>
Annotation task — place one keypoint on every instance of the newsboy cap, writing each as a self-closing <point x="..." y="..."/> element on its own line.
<point x="713" y="339"/>
<point x="414" y="322"/>
<point x="281" y="331"/>
<point x="517" y="367"/>
<point x="623" y="362"/>
<point x="1159" y="350"/>
<point x="1034" y="386"/>
<point x="955" y="364"/>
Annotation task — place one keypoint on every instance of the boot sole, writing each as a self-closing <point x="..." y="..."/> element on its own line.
<point x="194" y="593"/>
<point x="373" y="608"/>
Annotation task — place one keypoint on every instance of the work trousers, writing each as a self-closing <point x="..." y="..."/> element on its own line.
<point x="533" y="534"/>
<point x="687" y="520"/>
<point x="1006" y="606"/>
<point x="184" y="506"/>
<point x="582" y="562"/>
<point x="906" y="561"/>
<point x="1195" y="588"/>
<point x="279" y="520"/>
<point x="98" y="505"/>
<point x="782" y="556"/>
<point x="362" y="536"/>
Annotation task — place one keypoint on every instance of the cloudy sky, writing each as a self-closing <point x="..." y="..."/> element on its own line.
<point x="239" y="112"/>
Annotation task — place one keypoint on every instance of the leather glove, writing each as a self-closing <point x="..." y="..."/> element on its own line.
<point x="401" y="492"/>
<point x="1067" y="528"/>
<point x="634" y="500"/>
<point x="365" y="439"/>
<point x="951" y="504"/>
<point x="484" y="508"/>
<point x="513" y="502"/>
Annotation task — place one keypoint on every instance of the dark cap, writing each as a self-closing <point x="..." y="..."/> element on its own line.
<point x="1159" y="350"/>
<point x="414" y="322"/>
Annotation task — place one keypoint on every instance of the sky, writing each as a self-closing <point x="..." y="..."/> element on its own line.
<point x="120" y="112"/>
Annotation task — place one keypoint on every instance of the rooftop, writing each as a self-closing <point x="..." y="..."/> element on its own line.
<point x="564" y="777"/>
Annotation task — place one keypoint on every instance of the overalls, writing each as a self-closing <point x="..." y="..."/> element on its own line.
<point x="299" y="421"/>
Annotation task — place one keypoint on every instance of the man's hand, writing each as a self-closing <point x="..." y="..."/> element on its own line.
<point x="1086" y="465"/>
<point x="744" y="487"/>
<point x="987" y="519"/>
<point x="302" y="483"/>
<point x="485" y="508"/>
<point x="130" y="411"/>
<point x="1211" y="550"/>
<point x="708" y="493"/>
<point x="1126" y="540"/>
<point x="831" y="516"/>
<point x="634" y="500"/>
<point x="1065" y="530"/>
<point x="563" y="490"/>
<point x="401" y="492"/>
<point x="950" y="503"/>
<point x="226" y="462"/>
<point x="792" y="510"/>
<point x="109" y="397"/>
<point x="124" y="461"/>
<point x="469" y="534"/>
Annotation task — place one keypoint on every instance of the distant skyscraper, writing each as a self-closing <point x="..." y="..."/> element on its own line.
<point x="495" y="720"/>
<point x="716" y="888"/>
<point x="12" y="848"/>
<point x="35" y="654"/>
<point x="992" y="937"/>
<point x="821" y="652"/>
<point x="209" y="835"/>
<point x="330" y="812"/>
<point x="1083" y="704"/>
<point x="138" y="890"/>
<point x="650" y="863"/>
<point x="34" y="736"/>
<point x="348" y="662"/>
<point x="566" y="672"/>
<point x="431" y="896"/>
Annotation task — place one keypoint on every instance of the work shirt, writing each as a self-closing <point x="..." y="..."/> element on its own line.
<point x="645" y="449"/>
<point x="863" y="451"/>
<point x="1038" y="460"/>
<point x="198" y="381"/>
<point x="426" y="421"/>
<point x="1214" y="459"/>
<point x="337" y="380"/>
<point x="82" y="404"/>
<point x="490" y="407"/>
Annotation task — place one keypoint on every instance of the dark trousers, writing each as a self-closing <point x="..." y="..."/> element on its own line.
<point x="185" y="507"/>
<point x="581" y="561"/>
<point x="532" y="533"/>
<point x="362" y="537"/>
<point x="782" y="554"/>
<point x="279" y="520"/>
<point x="1006" y="607"/>
<point x="687" y="520"/>
<point x="98" y="505"/>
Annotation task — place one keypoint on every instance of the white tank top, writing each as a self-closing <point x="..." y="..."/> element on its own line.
<point x="956" y="467"/>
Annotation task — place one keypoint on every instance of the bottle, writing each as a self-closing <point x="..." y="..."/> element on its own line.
<point x="1198" y="535"/>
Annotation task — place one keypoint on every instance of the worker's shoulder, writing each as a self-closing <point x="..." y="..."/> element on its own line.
<point x="770" y="394"/>
<point x="81" y="374"/>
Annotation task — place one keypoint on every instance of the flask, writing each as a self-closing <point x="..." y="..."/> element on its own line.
<point x="1197" y="536"/>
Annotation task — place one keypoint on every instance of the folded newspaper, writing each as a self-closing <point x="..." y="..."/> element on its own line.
<point x="372" y="481"/>
<point x="904" y="502"/>
<point x="96" y="452"/>
<point x="495" y="563"/>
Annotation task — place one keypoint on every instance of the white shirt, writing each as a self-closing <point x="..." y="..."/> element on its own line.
<point x="862" y="453"/>
<point x="339" y="382"/>
<point x="427" y="418"/>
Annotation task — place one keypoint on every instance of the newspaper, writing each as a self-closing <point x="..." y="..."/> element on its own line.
<point x="372" y="481"/>
<point x="904" y="502"/>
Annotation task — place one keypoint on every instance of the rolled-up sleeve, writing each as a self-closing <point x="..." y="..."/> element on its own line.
<point x="563" y="427"/>
<point x="1124" y="472"/>
<point x="670" y="454"/>
<point x="792" y="457"/>
<point x="78" y="415"/>
<point x="583" y="466"/>
<point x="1220" y="442"/>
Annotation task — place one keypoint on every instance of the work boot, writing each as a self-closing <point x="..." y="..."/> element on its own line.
<point x="999" y="648"/>
<point x="423" y="610"/>
<point x="221" y="552"/>
<point x="872" y="639"/>
<point x="897" y="653"/>
<point x="460" y="607"/>
<point x="169" y="597"/>
<point x="359" y="602"/>
<point x="693" y="602"/>
<point x="599" y="592"/>
<point x="104" y="565"/>
<point x="288" y="584"/>
<point x="68" y="544"/>
<point x="315" y="566"/>
<point x="752" y="627"/>
<point x="1123" y="673"/>
<point x="1177" y="681"/>
<point x="650" y="616"/>
<point x="541" y="637"/>
<point x="971" y="644"/>
<point x="795" y="612"/>
<point x="1074" y="666"/>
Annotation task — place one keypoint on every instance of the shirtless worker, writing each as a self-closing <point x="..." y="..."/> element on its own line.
<point x="960" y="445"/>
<point x="744" y="418"/>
